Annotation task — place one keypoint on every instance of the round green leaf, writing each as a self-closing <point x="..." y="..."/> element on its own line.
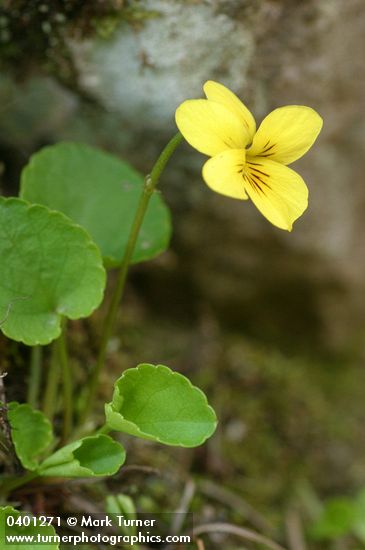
<point x="92" y="456"/>
<point x="101" y="193"/>
<point x="25" y="531"/>
<point x="31" y="433"/>
<point x="153" y="402"/>
<point x="49" y="268"/>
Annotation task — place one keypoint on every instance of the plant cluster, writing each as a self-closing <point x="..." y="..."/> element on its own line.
<point x="81" y="212"/>
<point x="73" y="221"/>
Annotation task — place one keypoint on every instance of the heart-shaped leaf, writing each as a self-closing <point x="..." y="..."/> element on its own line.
<point x="153" y="402"/>
<point x="49" y="268"/>
<point x="31" y="433"/>
<point x="32" y="528"/>
<point x="92" y="456"/>
<point x="101" y="193"/>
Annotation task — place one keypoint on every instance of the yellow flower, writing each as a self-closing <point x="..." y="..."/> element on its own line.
<point x="246" y="163"/>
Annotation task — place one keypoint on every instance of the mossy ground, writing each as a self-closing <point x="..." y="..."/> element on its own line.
<point x="43" y="30"/>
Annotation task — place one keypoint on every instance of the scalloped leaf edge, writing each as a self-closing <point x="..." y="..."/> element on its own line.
<point x="109" y="410"/>
<point x="50" y="463"/>
<point x="45" y="421"/>
<point x="8" y="201"/>
<point x="138" y="179"/>
<point x="8" y="510"/>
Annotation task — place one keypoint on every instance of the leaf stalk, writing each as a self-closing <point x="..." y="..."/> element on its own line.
<point x="151" y="182"/>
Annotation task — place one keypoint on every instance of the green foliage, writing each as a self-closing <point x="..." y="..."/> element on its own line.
<point x="156" y="403"/>
<point x="122" y="505"/>
<point x="92" y="456"/>
<point x="100" y="192"/>
<point x="336" y="520"/>
<point x="50" y="269"/>
<point x="341" y="516"/>
<point x="359" y="523"/>
<point x="31" y="433"/>
<point x="31" y="530"/>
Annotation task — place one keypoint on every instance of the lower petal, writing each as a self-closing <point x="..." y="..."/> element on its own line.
<point x="224" y="173"/>
<point x="276" y="190"/>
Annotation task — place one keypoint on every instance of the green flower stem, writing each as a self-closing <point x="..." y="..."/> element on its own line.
<point x="35" y="376"/>
<point x="104" y="429"/>
<point x="67" y="385"/>
<point x="53" y="378"/>
<point x="151" y="182"/>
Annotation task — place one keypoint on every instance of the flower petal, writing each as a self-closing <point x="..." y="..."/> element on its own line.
<point x="219" y="93"/>
<point x="277" y="191"/>
<point x="210" y="127"/>
<point x="224" y="173"/>
<point x="286" y="134"/>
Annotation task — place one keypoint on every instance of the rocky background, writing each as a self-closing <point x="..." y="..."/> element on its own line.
<point x="112" y="74"/>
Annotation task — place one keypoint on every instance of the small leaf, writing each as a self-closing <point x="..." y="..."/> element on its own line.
<point x="19" y="530"/>
<point x="101" y="193"/>
<point x="359" y="523"/>
<point x="31" y="433"/>
<point x="49" y="268"/>
<point x="122" y="505"/>
<point x="155" y="403"/>
<point x="337" y="519"/>
<point x="93" y="456"/>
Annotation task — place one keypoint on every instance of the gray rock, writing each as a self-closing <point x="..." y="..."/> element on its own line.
<point x="144" y="74"/>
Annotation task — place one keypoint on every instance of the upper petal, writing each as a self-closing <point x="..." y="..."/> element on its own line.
<point x="210" y="127"/>
<point x="224" y="173"/>
<point x="277" y="191"/>
<point x="219" y="93"/>
<point x="286" y="133"/>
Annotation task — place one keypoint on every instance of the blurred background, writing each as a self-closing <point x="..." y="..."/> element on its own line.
<point x="270" y="324"/>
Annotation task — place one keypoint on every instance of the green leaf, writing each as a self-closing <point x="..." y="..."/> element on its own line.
<point x="31" y="531"/>
<point x="31" y="433"/>
<point x="122" y="505"/>
<point x="155" y="403"/>
<point x="49" y="268"/>
<point x="101" y="193"/>
<point x="337" y="519"/>
<point x="359" y="523"/>
<point x="92" y="456"/>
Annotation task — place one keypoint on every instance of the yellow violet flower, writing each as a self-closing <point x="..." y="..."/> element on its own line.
<point x="249" y="163"/>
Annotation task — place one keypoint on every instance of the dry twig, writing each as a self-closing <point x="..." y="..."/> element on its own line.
<point x="241" y="532"/>
<point x="182" y="510"/>
<point x="235" y="502"/>
<point x="294" y="530"/>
